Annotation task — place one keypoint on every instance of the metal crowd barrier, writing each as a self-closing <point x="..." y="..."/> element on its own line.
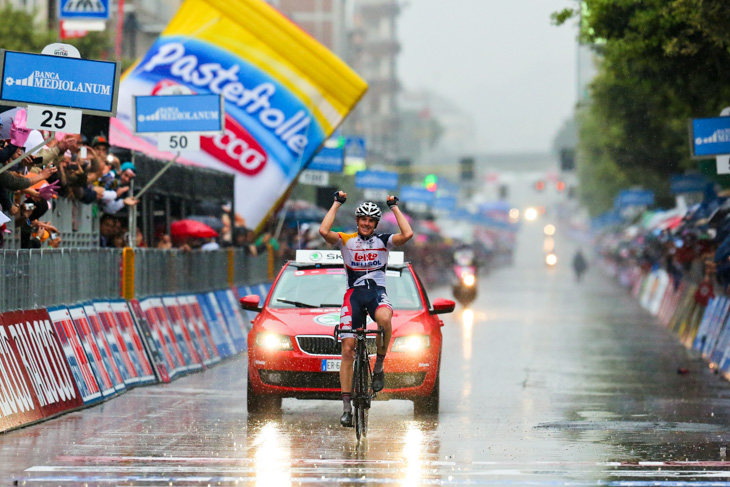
<point x="50" y="277"/>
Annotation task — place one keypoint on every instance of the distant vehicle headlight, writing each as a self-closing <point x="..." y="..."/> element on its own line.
<point x="531" y="214"/>
<point x="549" y="229"/>
<point x="411" y="343"/>
<point x="551" y="259"/>
<point x="274" y="341"/>
<point x="469" y="280"/>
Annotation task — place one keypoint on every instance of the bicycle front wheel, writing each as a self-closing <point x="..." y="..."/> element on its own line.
<point x="362" y="378"/>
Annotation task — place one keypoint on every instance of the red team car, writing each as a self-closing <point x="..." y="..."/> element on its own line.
<point x="292" y="351"/>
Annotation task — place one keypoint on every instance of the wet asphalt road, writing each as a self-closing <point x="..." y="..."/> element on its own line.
<point x="548" y="383"/>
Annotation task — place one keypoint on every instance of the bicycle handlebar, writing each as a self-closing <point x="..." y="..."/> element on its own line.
<point x="360" y="331"/>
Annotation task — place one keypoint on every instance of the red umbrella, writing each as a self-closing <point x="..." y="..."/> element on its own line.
<point x="191" y="228"/>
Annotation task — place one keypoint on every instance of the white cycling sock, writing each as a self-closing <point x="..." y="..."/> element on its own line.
<point x="346" y="405"/>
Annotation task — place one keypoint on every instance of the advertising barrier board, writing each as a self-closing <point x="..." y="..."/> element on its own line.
<point x="182" y="334"/>
<point x="131" y="338"/>
<point x="178" y="345"/>
<point x="701" y="335"/>
<point x="216" y="324"/>
<point x="18" y="403"/>
<point x="107" y="356"/>
<point x="164" y="338"/>
<point x="194" y="318"/>
<point x="40" y="352"/>
<point x="150" y="342"/>
<point x="232" y="319"/>
<point x="713" y="331"/>
<point x="114" y="339"/>
<point x="75" y="355"/>
<point x="93" y="352"/>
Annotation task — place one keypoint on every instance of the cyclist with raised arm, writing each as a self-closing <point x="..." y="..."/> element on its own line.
<point x="365" y="255"/>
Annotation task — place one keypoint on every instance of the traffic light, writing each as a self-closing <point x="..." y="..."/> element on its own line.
<point x="430" y="182"/>
<point x="567" y="159"/>
<point x="404" y="171"/>
<point x="466" y="169"/>
<point x="503" y="191"/>
<point x="539" y="185"/>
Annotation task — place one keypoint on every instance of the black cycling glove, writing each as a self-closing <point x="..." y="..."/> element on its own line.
<point x="339" y="199"/>
<point x="393" y="202"/>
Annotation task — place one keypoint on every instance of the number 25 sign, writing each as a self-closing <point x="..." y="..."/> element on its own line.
<point x="58" y="89"/>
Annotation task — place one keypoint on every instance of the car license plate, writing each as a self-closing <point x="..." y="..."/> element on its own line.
<point x="331" y="365"/>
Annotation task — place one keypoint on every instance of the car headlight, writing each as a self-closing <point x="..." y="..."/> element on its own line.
<point x="273" y="341"/>
<point x="412" y="343"/>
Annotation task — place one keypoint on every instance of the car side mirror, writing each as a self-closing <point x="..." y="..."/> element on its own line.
<point x="441" y="306"/>
<point x="250" y="303"/>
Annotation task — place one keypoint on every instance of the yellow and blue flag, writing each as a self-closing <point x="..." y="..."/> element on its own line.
<point x="284" y="93"/>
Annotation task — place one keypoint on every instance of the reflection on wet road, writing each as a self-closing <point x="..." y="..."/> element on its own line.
<point x="544" y="382"/>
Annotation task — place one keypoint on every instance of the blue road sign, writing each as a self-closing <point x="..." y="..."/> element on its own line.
<point x="710" y="136"/>
<point x="355" y="147"/>
<point x="328" y="159"/>
<point x="83" y="9"/>
<point x="607" y="219"/>
<point x="688" y="183"/>
<point x="37" y="79"/>
<point x="376" y="180"/>
<point x="633" y="197"/>
<point x="178" y="113"/>
<point x="445" y="203"/>
<point x="416" y="194"/>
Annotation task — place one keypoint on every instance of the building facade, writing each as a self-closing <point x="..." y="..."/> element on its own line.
<point x="376" y="48"/>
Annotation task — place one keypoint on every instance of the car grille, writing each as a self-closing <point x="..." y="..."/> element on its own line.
<point x="327" y="345"/>
<point x="331" y="380"/>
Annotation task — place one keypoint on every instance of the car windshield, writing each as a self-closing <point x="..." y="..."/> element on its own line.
<point x="326" y="287"/>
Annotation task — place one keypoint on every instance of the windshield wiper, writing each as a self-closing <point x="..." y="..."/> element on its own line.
<point x="330" y="305"/>
<point x="298" y="304"/>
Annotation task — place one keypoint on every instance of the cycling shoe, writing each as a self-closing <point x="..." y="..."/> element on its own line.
<point x="378" y="381"/>
<point x="346" y="420"/>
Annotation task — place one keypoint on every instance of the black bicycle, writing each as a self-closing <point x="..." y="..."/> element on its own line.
<point x="362" y="384"/>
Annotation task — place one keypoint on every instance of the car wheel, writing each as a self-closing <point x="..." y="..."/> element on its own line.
<point x="261" y="404"/>
<point x="423" y="406"/>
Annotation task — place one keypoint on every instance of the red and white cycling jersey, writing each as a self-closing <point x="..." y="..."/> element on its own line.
<point x="365" y="258"/>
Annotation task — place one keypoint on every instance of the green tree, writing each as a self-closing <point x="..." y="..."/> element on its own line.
<point x="662" y="63"/>
<point x="20" y="32"/>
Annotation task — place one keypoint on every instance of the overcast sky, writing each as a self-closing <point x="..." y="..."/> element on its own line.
<point x="500" y="60"/>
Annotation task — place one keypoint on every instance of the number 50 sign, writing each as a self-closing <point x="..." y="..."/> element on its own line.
<point x="179" y="120"/>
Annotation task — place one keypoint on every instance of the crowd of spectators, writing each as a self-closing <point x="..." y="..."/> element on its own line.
<point x="690" y="244"/>
<point x="62" y="166"/>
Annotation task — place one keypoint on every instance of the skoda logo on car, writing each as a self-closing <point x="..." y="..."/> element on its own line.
<point x="328" y="319"/>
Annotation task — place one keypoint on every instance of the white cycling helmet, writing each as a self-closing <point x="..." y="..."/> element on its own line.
<point x="369" y="209"/>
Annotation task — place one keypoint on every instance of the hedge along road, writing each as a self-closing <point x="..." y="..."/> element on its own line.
<point x="549" y="383"/>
